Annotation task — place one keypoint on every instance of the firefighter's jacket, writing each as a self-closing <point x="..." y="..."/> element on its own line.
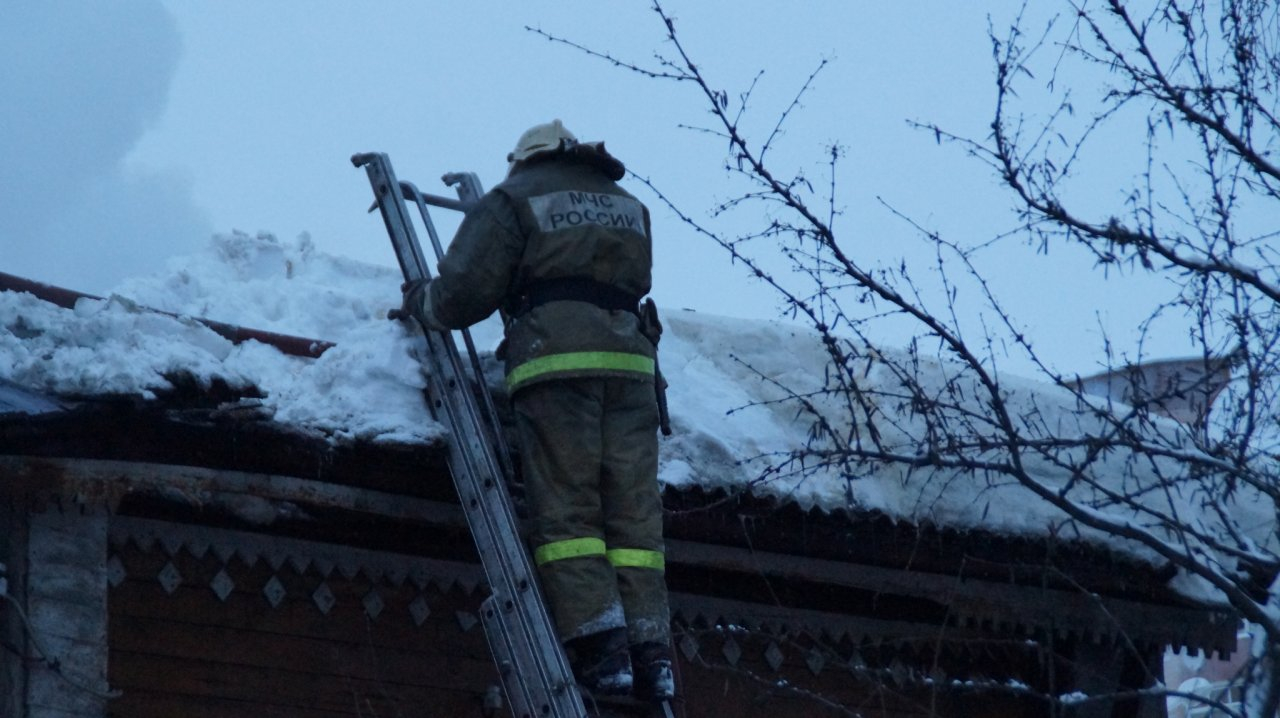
<point x="561" y="217"/>
<point x="564" y="218"/>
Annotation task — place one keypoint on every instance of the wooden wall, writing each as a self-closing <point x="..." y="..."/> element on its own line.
<point x="207" y="623"/>
<point x="201" y="622"/>
<point x="332" y="645"/>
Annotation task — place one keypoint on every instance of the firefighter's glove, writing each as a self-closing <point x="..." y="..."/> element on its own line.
<point x="415" y="292"/>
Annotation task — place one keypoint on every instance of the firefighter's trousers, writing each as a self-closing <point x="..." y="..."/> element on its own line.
<point x="589" y="449"/>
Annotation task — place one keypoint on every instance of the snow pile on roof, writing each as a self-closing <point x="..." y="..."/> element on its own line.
<point x="368" y="387"/>
<point x="106" y="348"/>
<point x="731" y="380"/>
<point x="263" y="283"/>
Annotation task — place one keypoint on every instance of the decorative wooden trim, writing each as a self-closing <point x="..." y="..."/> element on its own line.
<point x="325" y="559"/>
<point x="986" y="606"/>
<point x="732" y="616"/>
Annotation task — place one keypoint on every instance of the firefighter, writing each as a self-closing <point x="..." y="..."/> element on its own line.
<point x="566" y="254"/>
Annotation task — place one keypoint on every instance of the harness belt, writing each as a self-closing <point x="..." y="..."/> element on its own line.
<point x="574" y="289"/>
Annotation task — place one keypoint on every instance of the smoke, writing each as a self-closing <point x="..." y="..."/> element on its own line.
<point x="80" y="83"/>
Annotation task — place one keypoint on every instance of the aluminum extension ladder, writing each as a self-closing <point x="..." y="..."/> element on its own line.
<point x="535" y="673"/>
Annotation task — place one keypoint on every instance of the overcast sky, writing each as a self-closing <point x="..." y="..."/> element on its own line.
<point x="136" y="130"/>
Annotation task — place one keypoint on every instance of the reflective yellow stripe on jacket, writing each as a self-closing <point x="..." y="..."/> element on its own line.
<point x="579" y="361"/>
<point x="619" y="557"/>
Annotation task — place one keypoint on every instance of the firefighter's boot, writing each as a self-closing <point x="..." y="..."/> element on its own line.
<point x="601" y="662"/>
<point x="654" y="680"/>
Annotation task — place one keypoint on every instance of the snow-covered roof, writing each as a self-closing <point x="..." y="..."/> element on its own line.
<point x="367" y="388"/>
<point x="725" y="377"/>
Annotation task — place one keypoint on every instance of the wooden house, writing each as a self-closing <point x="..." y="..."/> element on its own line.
<point x="186" y="555"/>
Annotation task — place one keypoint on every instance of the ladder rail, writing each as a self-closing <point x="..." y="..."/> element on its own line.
<point x="535" y="673"/>
<point x="489" y="409"/>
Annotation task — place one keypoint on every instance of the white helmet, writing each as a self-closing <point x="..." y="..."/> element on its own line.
<point x="547" y="137"/>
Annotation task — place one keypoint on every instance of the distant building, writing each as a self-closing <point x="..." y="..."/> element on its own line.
<point x="1185" y="390"/>
<point x="1214" y="678"/>
<point x="1181" y="389"/>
